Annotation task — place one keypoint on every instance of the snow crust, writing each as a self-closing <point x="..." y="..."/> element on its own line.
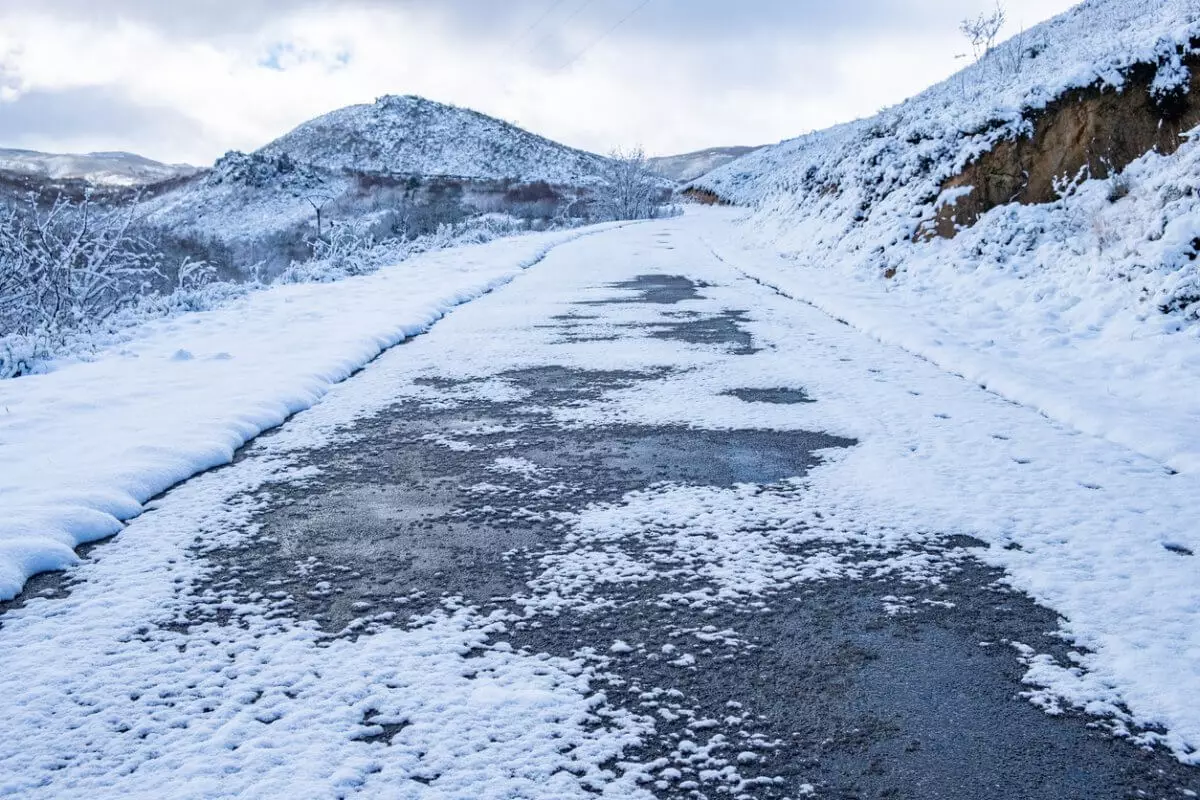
<point x="85" y="446"/>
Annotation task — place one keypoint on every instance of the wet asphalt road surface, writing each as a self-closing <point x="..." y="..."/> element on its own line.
<point x="810" y="690"/>
<point x="816" y="692"/>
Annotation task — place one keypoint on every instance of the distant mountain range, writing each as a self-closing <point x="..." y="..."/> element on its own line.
<point x="396" y="135"/>
<point x="99" y="169"/>
<point x="690" y="166"/>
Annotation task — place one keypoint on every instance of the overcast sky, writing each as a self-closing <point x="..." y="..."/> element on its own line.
<point x="186" y="80"/>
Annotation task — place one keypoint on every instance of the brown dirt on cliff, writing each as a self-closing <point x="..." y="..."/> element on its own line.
<point x="1102" y="130"/>
<point x="704" y="197"/>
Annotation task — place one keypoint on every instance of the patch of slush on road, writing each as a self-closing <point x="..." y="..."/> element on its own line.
<point x="1088" y="528"/>
<point x="187" y="688"/>
<point x="609" y="590"/>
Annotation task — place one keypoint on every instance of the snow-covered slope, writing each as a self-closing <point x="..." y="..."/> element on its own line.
<point x="101" y="169"/>
<point x="690" y="166"/>
<point x="245" y="198"/>
<point x="894" y="162"/>
<point x="1086" y="307"/>
<point x="355" y="161"/>
<point x="413" y="136"/>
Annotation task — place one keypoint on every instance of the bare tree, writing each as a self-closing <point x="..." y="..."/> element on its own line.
<point x="981" y="31"/>
<point x="627" y="189"/>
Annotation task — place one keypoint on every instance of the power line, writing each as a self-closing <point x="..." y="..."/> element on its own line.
<point x="602" y="37"/>
<point x="572" y="16"/>
<point x="545" y="15"/>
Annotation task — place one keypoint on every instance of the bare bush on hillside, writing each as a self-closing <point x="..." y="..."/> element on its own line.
<point x="68" y="265"/>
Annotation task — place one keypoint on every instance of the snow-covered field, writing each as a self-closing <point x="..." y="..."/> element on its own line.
<point x="83" y="447"/>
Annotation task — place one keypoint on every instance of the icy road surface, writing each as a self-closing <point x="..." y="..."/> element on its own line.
<point x="631" y="526"/>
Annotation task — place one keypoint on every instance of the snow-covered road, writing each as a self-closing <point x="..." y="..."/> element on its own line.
<point x="633" y="525"/>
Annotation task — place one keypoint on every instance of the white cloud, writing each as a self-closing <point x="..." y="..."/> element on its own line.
<point x="666" y="89"/>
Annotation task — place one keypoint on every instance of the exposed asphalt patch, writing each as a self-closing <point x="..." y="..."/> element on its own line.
<point x="406" y="506"/>
<point x="707" y="329"/>
<point x="773" y="396"/>
<point x="655" y="289"/>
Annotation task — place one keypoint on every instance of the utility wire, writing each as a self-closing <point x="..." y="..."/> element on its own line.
<point x="602" y="37"/>
<point x="545" y="15"/>
<point x="572" y="16"/>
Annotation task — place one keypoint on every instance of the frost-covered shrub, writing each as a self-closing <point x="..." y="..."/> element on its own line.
<point x="1181" y="291"/>
<point x="67" y="267"/>
<point x="18" y="355"/>
<point x="1118" y="187"/>
<point x="351" y="248"/>
<point x="71" y="263"/>
<point x="627" y="189"/>
<point x="79" y="276"/>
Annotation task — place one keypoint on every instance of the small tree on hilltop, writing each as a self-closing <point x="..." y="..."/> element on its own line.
<point x="982" y="31"/>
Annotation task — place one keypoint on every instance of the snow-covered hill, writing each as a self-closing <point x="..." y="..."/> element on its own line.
<point x="100" y="169"/>
<point x="401" y="164"/>
<point x="888" y="165"/>
<point x="1084" y="297"/>
<point x="690" y="166"/>
<point x="414" y="136"/>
